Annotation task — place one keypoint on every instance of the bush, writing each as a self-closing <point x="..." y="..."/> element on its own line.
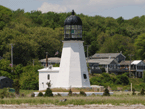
<point x="48" y="93"/>
<point x="70" y="92"/>
<point x="122" y="79"/>
<point x="32" y="95"/>
<point x="82" y="93"/>
<point x="40" y="94"/>
<point x="58" y="94"/>
<point x="106" y="92"/>
<point x="142" y="92"/>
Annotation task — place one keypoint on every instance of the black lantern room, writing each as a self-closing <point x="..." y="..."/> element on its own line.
<point x="73" y="28"/>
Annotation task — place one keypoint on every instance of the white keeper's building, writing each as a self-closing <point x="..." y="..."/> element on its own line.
<point x="73" y="70"/>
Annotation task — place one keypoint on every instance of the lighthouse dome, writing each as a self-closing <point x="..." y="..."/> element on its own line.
<point x="73" y="20"/>
<point x="73" y="28"/>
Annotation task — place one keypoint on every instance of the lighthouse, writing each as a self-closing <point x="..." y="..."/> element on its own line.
<point x="73" y="70"/>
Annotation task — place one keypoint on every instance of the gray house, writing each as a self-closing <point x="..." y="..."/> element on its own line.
<point x="117" y="56"/>
<point x="51" y="60"/>
<point x="5" y="82"/>
<point x="110" y="65"/>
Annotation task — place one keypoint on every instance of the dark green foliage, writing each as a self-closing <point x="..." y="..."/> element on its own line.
<point x="142" y="92"/>
<point x="40" y="94"/>
<point x="48" y="93"/>
<point x="32" y="95"/>
<point x="122" y="79"/>
<point x="70" y="92"/>
<point x="106" y="92"/>
<point x="6" y="94"/>
<point x="16" y="86"/>
<point x="29" y="79"/>
<point x="106" y="79"/>
<point x="82" y="93"/>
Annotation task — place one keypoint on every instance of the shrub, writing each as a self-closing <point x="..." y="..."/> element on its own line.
<point x="122" y="79"/>
<point x="70" y="92"/>
<point x="40" y="94"/>
<point x="142" y="92"/>
<point x="58" y="94"/>
<point x="32" y="95"/>
<point x="106" y="92"/>
<point x="82" y="93"/>
<point x="48" y="93"/>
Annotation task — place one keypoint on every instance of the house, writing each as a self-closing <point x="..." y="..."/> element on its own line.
<point x="51" y="60"/>
<point x="137" y="67"/>
<point x="110" y="65"/>
<point x="46" y="75"/>
<point x="124" y="66"/>
<point x="5" y="82"/>
<point x="117" y="56"/>
<point x="1" y="58"/>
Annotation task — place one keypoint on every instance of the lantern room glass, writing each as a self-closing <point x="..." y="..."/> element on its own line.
<point x="73" y="32"/>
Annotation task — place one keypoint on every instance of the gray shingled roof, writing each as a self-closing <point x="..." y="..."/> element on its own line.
<point x="106" y="55"/>
<point x="51" y="59"/>
<point x="2" y="77"/>
<point x="125" y="62"/>
<point x="101" y="61"/>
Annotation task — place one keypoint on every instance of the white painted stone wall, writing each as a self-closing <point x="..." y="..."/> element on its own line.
<point x="43" y="77"/>
<point x="72" y="66"/>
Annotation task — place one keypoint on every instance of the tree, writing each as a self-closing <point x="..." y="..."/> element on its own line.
<point x="16" y="77"/>
<point x="140" y="46"/>
<point x="106" y="92"/>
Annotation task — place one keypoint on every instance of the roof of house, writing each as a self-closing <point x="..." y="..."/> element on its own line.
<point x="101" y="61"/>
<point x="47" y="69"/>
<point x="106" y="55"/>
<point x="2" y="77"/>
<point x="136" y="62"/>
<point x="125" y="62"/>
<point x="51" y="59"/>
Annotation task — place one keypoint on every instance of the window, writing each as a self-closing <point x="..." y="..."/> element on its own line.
<point x="85" y="76"/>
<point x="48" y="76"/>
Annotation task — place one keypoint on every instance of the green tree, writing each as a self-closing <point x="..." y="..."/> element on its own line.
<point x="140" y="46"/>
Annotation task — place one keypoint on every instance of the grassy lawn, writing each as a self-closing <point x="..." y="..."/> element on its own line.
<point x="114" y="100"/>
<point x="118" y="98"/>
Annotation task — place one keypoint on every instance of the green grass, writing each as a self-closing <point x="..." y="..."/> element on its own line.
<point x="114" y="100"/>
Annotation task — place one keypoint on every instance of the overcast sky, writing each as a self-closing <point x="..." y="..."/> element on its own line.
<point x="113" y="8"/>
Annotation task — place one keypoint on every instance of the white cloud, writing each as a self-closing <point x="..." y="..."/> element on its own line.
<point x="88" y="6"/>
<point x="45" y="7"/>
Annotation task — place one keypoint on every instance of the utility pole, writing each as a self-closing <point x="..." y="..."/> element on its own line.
<point x="46" y="59"/>
<point x="12" y="56"/>
<point x="130" y="55"/>
<point x="87" y="52"/>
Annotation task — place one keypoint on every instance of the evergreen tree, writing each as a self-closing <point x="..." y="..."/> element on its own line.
<point x="106" y="92"/>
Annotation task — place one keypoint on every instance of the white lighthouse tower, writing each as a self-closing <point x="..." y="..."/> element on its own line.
<point x="73" y="69"/>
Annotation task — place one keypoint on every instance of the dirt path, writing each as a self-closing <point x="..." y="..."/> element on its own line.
<point x="45" y="106"/>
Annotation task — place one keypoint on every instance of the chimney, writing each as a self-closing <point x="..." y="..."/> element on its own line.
<point x="121" y="52"/>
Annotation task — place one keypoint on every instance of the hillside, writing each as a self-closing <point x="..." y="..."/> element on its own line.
<point x="117" y="82"/>
<point x="34" y="33"/>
